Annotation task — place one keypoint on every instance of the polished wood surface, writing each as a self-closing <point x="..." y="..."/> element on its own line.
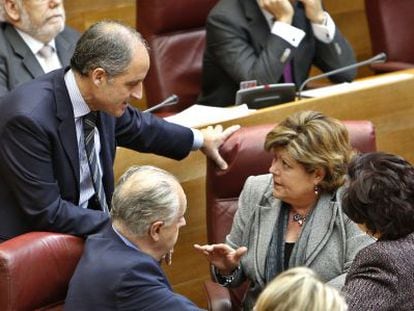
<point x="390" y="107"/>
<point x="81" y="14"/>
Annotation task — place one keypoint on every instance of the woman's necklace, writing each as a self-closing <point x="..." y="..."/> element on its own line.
<point x="299" y="218"/>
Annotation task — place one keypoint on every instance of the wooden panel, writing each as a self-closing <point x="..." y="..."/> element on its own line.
<point x="81" y="14"/>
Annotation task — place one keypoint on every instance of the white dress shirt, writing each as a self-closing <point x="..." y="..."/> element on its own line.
<point x="35" y="46"/>
<point x="323" y="32"/>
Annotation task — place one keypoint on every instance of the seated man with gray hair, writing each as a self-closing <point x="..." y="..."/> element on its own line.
<point x="34" y="40"/>
<point x="121" y="266"/>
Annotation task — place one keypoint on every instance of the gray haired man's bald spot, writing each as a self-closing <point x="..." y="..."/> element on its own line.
<point x="143" y="195"/>
<point x="108" y="45"/>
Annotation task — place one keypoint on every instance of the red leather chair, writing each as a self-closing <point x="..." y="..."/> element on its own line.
<point x="245" y="155"/>
<point x="35" y="270"/>
<point x="390" y="24"/>
<point x="175" y="33"/>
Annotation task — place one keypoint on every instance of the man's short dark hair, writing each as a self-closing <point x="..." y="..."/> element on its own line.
<point x="106" y="44"/>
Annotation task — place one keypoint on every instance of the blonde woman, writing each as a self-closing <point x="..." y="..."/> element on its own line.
<point x="299" y="289"/>
<point x="293" y="216"/>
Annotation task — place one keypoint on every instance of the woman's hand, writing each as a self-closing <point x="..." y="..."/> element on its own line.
<point x="222" y="256"/>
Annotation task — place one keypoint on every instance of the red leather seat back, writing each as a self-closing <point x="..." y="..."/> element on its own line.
<point x="391" y="28"/>
<point x="35" y="270"/>
<point x="175" y="33"/>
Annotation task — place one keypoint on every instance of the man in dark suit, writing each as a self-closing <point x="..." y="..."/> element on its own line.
<point x="26" y="28"/>
<point x="56" y="176"/>
<point x="270" y="42"/>
<point x="120" y="268"/>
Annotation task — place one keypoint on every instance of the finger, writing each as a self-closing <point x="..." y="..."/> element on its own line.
<point x="204" y="248"/>
<point x="218" y="128"/>
<point x="220" y="161"/>
<point x="240" y="252"/>
<point x="230" y="130"/>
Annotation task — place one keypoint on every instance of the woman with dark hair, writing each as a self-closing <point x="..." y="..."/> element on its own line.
<point x="380" y="198"/>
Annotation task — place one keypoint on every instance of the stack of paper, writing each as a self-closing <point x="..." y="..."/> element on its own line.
<point x="199" y="115"/>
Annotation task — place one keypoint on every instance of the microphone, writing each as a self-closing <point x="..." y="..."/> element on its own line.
<point x="169" y="101"/>
<point x="379" y="58"/>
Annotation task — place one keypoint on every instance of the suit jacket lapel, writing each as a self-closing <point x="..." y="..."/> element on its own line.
<point x="21" y="50"/>
<point x="63" y="49"/>
<point x="317" y="231"/>
<point x="256" y="23"/>
<point x="269" y="213"/>
<point x="66" y="127"/>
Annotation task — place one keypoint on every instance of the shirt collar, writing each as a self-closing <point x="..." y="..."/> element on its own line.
<point x="80" y="108"/>
<point x="34" y="44"/>
<point x="125" y="240"/>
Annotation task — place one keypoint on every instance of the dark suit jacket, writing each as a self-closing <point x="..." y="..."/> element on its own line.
<point x="382" y="277"/>
<point x="113" y="276"/>
<point x="39" y="162"/>
<point x="17" y="62"/>
<point x="239" y="47"/>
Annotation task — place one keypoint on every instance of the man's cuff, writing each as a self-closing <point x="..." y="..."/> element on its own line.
<point x="325" y="32"/>
<point x="288" y="33"/>
<point x="198" y="139"/>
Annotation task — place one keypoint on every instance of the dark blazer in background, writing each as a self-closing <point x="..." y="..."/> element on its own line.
<point x="113" y="276"/>
<point x="239" y="47"/>
<point x="39" y="159"/>
<point x="17" y="62"/>
<point x="382" y="277"/>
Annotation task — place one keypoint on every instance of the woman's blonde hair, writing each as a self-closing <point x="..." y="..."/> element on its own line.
<point x="299" y="289"/>
<point x="315" y="141"/>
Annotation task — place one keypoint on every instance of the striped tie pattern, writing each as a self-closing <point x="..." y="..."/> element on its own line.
<point x="89" y="124"/>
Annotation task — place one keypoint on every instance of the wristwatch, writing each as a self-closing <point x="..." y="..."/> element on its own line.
<point x="225" y="280"/>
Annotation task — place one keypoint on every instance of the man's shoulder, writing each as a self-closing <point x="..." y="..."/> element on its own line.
<point x="222" y="8"/>
<point x="40" y="91"/>
<point x="70" y="33"/>
<point x="7" y="34"/>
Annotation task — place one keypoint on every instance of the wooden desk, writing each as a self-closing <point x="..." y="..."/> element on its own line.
<point x="390" y="107"/>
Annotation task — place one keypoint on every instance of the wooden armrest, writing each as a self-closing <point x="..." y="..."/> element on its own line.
<point x="391" y="66"/>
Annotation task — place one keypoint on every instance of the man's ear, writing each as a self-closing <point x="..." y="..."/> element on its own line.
<point x="12" y="10"/>
<point x="155" y="229"/>
<point x="98" y="76"/>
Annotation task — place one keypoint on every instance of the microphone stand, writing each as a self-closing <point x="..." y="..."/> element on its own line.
<point x="379" y="58"/>
<point x="169" y="101"/>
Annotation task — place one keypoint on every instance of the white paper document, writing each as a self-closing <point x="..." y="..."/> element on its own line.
<point x="356" y="85"/>
<point x="199" y="115"/>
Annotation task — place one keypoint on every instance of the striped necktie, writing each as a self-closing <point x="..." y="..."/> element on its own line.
<point x="89" y="125"/>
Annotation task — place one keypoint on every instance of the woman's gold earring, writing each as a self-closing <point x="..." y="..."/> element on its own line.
<point x="316" y="189"/>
